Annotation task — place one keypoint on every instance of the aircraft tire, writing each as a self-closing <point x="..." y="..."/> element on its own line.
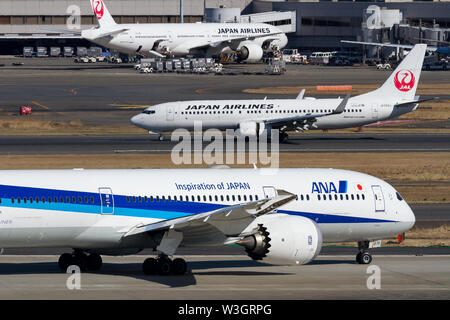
<point x="164" y="266"/>
<point x="364" y="258"/>
<point x="150" y="266"/>
<point x="65" y="260"/>
<point x="94" y="262"/>
<point x="179" y="266"/>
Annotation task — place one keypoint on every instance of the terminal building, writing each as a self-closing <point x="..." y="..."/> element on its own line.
<point x="310" y="25"/>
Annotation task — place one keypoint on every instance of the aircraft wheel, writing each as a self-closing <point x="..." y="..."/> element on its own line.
<point x="65" y="260"/>
<point x="94" y="262"/>
<point x="164" y="266"/>
<point x="150" y="266"/>
<point x="80" y="259"/>
<point x="364" y="258"/>
<point x="179" y="266"/>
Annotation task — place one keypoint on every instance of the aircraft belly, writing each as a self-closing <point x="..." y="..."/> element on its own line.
<point x="348" y="232"/>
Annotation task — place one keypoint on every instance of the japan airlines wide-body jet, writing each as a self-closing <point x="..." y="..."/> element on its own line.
<point x="249" y="40"/>
<point x="255" y="117"/>
<point x="280" y="216"/>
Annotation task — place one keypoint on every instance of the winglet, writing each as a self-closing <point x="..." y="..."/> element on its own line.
<point x="341" y="107"/>
<point x="301" y="94"/>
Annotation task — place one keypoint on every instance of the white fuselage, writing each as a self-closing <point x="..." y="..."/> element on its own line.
<point x="187" y="38"/>
<point x="95" y="208"/>
<point x="229" y="114"/>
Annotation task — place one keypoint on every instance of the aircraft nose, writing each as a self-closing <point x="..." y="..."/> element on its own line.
<point x="137" y="120"/>
<point x="410" y="218"/>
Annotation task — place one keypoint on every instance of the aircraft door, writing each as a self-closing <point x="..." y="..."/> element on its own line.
<point x="379" y="198"/>
<point x="375" y="114"/>
<point x="170" y="113"/>
<point x="106" y="200"/>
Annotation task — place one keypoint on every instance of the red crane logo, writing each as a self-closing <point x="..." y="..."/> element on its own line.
<point x="404" y="80"/>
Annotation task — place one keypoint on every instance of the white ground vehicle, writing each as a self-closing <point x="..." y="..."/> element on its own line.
<point x="384" y="66"/>
<point x="320" y="57"/>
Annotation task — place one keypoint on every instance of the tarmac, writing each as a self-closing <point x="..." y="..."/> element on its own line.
<point x="297" y="143"/>
<point x="231" y="277"/>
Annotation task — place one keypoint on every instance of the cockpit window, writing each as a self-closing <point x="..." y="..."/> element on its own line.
<point x="399" y="197"/>
<point x="149" y="111"/>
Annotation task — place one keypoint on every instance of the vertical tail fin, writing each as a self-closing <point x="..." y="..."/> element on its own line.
<point x="102" y="14"/>
<point x="402" y="84"/>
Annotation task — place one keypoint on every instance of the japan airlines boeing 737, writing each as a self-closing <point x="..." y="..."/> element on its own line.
<point x="249" y="40"/>
<point x="280" y="216"/>
<point x="255" y="117"/>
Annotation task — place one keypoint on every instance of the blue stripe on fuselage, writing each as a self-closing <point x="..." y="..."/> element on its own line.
<point x="156" y="209"/>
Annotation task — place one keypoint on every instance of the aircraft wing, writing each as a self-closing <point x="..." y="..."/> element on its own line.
<point x="224" y="216"/>
<point x="303" y="122"/>
<point x="392" y="45"/>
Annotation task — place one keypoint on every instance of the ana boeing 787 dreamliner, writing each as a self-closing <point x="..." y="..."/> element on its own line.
<point x="248" y="40"/>
<point x="255" y="117"/>
<point x="280" y="216"/>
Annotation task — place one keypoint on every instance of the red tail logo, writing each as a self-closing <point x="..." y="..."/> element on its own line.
<point x="404" y="80"/>
<point x="98" y="7"/>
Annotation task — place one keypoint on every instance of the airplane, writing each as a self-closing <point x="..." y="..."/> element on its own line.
<point x="278" y="216"/>
<point x="248" y="40"/>
<point x="256" y="117"/>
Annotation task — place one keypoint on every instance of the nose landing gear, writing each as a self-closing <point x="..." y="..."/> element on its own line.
<point x="363" y="256"/>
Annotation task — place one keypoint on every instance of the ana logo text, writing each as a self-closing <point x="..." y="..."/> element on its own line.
<point x="404" y="80"/>
<point x="329" y="187"/>
<point x="98" y="8"/>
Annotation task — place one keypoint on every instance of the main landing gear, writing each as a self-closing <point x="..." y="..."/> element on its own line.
<point x="363" y="256"/>
<point x="91" y="262"/>
<point x="164" y="266"/>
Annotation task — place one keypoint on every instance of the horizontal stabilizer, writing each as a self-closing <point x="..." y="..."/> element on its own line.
<point x="407" y="104"/>
<point x="111" y="33"/>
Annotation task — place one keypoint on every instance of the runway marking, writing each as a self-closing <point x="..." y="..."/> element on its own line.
<point x="40" y="105"/>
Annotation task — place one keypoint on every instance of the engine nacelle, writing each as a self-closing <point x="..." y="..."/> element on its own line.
<point x="251" y="129"/>
<point x="250" y="52"/>
<point x="282" y="239"/>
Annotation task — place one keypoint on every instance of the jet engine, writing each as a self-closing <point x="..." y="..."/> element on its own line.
<point x="251" y="128"/>
<point x="283" y="239"/>
<point x="250" y="52"/>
